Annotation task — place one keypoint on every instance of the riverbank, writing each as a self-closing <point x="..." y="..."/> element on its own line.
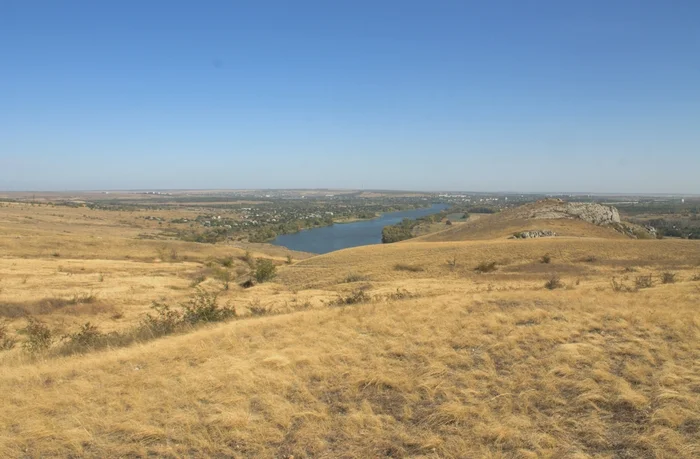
<point x="351" y="234"/>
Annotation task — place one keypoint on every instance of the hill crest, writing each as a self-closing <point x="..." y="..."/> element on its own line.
<point x="547" y="216"/>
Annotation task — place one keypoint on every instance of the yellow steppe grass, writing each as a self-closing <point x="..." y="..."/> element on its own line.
<point x="517" y="260"/>
<point x="441" y="362"/>
<point x="566" y="373"/>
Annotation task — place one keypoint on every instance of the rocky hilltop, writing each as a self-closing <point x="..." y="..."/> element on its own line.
<point x="545" y="218"/>
<point x="552" y="209"/>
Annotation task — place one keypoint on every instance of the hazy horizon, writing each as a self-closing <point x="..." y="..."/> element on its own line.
<point x="603" y="97"/>
<point x="426" y="191"/>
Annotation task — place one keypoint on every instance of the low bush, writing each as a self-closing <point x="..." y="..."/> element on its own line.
<point x="257" y="310"/>
<point x="6" y="341"/>
<point x="400" y="294"/>
<point x="204" y="307"/>
<point x="226" y="261"/>
<point x="486" y="267"/>
<point x="82" y="298"/>
<point x="668" y="277"/>
<point x="39" y="336"/>
<point x="355" y="297"/>
<point x="162" y="321"/>
<point x="406" y="267"/>
<point x="644" y="282"/>
<point x="85" y="339"/>
<point x="618" y="286"/>
<point x="546" y="258"/>
<point x="354" y="277"/>
<point x="553" y="283"/>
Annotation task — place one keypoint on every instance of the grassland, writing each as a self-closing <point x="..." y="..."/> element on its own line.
<point x="401" y="350"/>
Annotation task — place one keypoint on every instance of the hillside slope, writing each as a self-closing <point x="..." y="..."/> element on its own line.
<point x="565" y="219"/>
<point x="452" y="364"/>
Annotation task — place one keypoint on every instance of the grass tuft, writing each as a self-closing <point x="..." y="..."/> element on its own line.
<point x="486" y="267"/>
<point x="668" y="277"/>
<point x="554" y="282"/>
<point x="356" y="297"/>
<point x="407" y="267"/>
<point x="641" y="282"/>
<point x="354" y="277"/>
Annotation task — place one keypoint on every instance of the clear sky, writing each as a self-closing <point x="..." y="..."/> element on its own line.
<point x="599" y="96"/>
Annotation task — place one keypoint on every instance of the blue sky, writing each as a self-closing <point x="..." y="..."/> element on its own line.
<point x="599" y="96"/>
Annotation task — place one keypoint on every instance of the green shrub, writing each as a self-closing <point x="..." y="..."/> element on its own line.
<point x="203" y="307"/>
<point x="546" y="258"/>
<point x="398" y="232"/>
<point x="265" y="270"/>
<point x="85" y="339"/>
<point x="163" y="321"/>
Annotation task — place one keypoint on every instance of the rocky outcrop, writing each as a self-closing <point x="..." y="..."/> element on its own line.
<point x="597" y="214"/>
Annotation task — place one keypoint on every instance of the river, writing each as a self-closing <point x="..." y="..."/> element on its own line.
<point x="344" y="235"/>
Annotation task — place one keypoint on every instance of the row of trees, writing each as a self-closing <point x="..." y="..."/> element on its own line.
<point x="404" y="229"/>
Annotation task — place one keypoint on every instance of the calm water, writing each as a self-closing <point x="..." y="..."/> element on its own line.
<point x="344" y="235"/>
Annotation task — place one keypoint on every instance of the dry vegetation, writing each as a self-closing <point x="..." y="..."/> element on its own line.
<point x="396" y="350"/>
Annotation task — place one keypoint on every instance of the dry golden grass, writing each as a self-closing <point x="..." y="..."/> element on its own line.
<point x="439" y="361"/>
<point x="552" y="374"/>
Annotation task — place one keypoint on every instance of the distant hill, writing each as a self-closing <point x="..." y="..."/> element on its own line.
<point x="542" y="217"/>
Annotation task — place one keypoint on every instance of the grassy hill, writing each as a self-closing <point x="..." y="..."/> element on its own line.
<point x="416" y="349"/>
<point x="533" y="216"/>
